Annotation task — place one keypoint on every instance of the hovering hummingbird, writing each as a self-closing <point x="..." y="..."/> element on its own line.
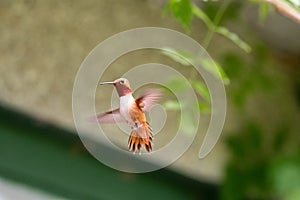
<point x="132" y="111"/>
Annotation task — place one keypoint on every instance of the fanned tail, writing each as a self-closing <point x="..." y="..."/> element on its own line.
<point x="139" y="137"/>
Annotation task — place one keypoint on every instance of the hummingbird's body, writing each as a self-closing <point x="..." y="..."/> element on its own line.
<point x="127" y="103"/>
<point x="132" y="111"/>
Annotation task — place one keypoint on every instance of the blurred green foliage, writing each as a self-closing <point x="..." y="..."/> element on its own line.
<point x="262" y="164"/>
<point x="249" y="75"/>
<point x="246" y="171"/>
<point x="261" y="167"/>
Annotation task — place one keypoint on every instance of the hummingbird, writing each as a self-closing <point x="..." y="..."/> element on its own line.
<point x="132" y="111"/>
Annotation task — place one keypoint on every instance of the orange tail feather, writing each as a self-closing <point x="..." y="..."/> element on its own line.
<point x="141" y="137"/>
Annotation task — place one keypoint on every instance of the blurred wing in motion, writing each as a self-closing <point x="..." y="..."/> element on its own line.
<point x="148" y="99"/>
<point x="109" y="117"/>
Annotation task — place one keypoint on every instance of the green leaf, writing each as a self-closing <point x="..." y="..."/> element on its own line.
<point x="177" y="84"/>
<point x="215" y="68"/>
<point x="186" y="58"/>
<point x="182" y="11"/>
<point x="223" y="74"/>
<point x="219" y="29"/>
<point x="234" y="38"/>
<point x="198" y="12"/>
<point x="211" y="8"/>
<point x="264" y="9"/>
<point x="204" y="107"/>
<point x="172" y="105"/>
<point x="202" y="90"/>
<point x="176" y="56"/>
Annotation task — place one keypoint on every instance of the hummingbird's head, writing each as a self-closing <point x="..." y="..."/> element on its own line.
<point x="122" y="85"/>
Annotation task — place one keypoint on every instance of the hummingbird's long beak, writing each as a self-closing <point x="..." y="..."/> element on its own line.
<point x="105" y="83"/>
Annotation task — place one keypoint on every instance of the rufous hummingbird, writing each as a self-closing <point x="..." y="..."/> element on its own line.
<point x="132" y="111"/>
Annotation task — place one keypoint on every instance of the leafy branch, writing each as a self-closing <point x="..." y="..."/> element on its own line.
<point x="185" y="10"/>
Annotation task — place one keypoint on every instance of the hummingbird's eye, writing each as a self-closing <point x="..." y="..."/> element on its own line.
<point x="122" y="81"/>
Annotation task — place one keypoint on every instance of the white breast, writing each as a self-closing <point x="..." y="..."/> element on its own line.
<point x="125" y="104"/>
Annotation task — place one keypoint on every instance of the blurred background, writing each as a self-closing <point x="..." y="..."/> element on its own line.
<point x="256" y="45"/>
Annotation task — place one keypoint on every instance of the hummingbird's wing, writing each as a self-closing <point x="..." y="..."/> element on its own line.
<point x="112" y="116"/>
<point x="148" y="99"/>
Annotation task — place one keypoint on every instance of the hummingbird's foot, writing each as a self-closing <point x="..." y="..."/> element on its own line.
<point x="135" y="126"/>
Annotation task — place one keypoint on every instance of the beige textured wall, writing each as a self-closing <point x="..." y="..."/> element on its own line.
<point x="43" y="43"/>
